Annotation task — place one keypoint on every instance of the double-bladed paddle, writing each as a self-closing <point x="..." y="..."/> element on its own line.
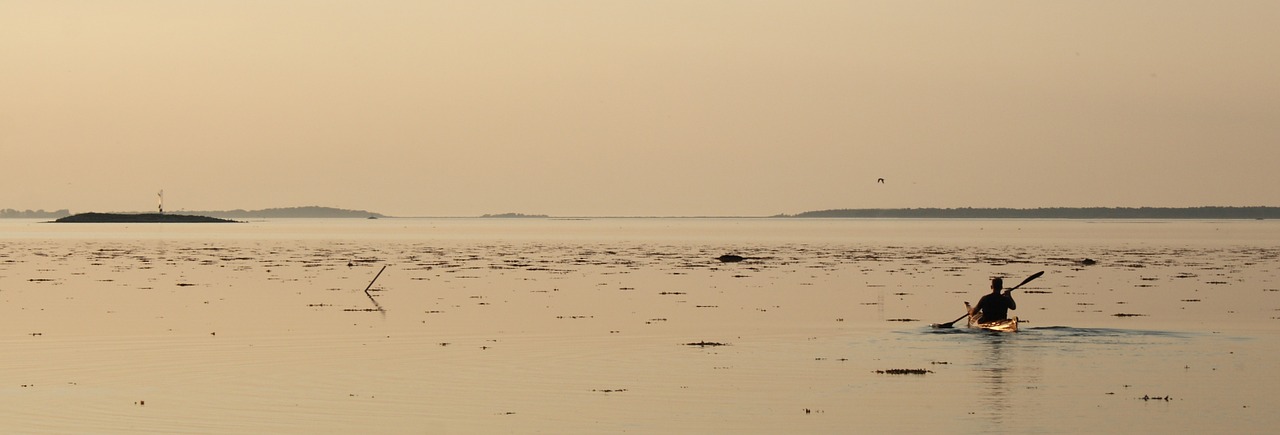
<point x="966" y="314"/>
<point x="948" y="324"/>
<point x="1029" y="278"/>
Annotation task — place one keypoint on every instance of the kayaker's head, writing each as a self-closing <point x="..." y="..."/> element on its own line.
<point x="997" y="284"/>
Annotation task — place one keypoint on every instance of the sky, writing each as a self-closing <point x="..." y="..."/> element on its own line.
<point x="638" y="108"/>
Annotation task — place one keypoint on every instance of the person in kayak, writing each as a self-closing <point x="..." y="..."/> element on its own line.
<point x="994" y="306"/>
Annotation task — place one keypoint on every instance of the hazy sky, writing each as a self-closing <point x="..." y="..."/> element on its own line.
<point x="621" y="108"/>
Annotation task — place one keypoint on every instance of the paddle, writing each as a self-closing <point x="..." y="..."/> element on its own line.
<point x="1029" y="278"/>
<point x="948" y="324"/>
<point x="966" y="314"/>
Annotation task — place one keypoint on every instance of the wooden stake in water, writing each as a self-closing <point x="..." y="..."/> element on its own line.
<point x="375" y="278"/>
<point x="371" y="299"/>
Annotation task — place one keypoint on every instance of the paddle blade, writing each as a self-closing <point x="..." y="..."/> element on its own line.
<point x="948" y="324"/>
<point x="1029" y="279"/>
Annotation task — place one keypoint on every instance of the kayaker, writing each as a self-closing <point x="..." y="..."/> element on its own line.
<point x="994" y="306"/>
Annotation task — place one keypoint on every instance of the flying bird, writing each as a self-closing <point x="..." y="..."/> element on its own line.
<point x="880" y="180"/>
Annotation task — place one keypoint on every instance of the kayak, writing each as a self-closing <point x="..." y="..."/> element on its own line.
<point x="1006" y="325"/>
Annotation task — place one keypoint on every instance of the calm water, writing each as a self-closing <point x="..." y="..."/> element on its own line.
<point x="583" y="326"/>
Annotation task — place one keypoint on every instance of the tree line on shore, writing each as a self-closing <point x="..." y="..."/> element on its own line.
<point x="288" y="212"/>
<point x="33" y="214"/>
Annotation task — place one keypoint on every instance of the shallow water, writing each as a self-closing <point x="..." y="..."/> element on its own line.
<point x="583" y="326"/>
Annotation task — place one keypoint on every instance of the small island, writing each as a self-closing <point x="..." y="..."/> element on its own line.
<point x="138" y="218"/>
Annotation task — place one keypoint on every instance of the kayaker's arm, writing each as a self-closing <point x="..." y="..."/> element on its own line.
<point x="1008" y="298"/>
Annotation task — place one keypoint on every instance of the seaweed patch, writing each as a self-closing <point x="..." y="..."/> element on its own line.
<point x="904" y="371"/>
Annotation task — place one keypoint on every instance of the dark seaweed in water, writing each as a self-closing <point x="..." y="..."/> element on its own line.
<point x="904" y="371"/>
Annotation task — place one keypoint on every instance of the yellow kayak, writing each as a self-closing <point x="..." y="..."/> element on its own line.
<point x="1006" y="325"/>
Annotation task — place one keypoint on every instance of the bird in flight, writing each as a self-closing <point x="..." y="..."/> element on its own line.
<point x="880" y="180"/>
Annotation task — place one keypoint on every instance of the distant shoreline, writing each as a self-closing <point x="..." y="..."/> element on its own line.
<point x="1214" y="212"/>
<point x="270" y="213"/>
<point x="1053" y="213"/>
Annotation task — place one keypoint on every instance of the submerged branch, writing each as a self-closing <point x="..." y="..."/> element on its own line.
<point x="377" y="306"/>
